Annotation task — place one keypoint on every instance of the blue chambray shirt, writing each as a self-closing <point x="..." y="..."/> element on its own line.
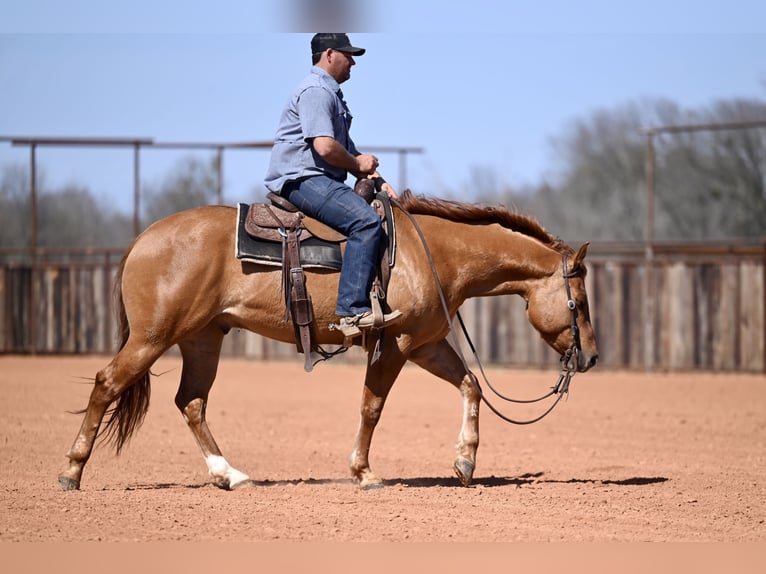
<point x="316" y="108"/>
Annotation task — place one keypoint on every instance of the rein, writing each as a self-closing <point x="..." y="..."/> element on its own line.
<point x="569" y="359"/>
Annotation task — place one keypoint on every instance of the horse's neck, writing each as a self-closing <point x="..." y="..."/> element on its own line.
<point x="482" y="260"/>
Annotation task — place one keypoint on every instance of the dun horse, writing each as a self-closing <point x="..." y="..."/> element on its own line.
<point x="180" y="284"/>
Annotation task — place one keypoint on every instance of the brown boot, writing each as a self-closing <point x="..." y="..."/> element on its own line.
<point x="352" y="326"/>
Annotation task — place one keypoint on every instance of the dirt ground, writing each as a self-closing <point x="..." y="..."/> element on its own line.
<point x="628" y="457"/>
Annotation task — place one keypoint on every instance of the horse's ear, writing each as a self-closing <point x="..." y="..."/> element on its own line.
<point x="580" y="255"/>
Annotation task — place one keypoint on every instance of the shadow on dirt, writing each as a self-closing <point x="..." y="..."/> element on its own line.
<point x="424" y="482"/>
<point x="247" y="484"/>
<point x="523" y="480"/>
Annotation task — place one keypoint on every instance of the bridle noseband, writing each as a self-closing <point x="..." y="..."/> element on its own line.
<point x="571" y="357"/>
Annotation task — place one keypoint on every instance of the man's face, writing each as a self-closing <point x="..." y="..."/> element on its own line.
<point x="340" y="65"/>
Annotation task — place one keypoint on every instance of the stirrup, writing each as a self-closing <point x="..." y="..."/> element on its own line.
<point x="353" y="326"/>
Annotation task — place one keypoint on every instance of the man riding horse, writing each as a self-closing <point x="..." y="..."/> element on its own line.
<point x="192" y="294"/>
<point x="311" y="158"/>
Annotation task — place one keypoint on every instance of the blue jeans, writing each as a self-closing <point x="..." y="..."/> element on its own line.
<point x="335" y="204"/>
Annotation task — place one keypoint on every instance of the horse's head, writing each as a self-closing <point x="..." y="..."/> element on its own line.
<point x="557" y="307"/>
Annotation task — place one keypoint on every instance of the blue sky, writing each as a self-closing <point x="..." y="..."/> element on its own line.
<point x="477" y="85"/>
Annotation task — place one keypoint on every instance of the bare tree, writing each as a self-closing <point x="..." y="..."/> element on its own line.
<point x="712" y="184"/>
<point x="709" y="185"/>
<point x="191" y="183"/>
<point x="15" y="207"/>
<point x="72" y="217"/>
<point x="68" y="217"/>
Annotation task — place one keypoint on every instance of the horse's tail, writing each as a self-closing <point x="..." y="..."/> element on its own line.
<point x="130" y="407"/>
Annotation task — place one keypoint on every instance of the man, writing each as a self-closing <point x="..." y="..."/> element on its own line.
<point x="312" y="156"/>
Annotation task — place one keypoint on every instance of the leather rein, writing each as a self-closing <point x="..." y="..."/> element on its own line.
<point x="569" y="359"/>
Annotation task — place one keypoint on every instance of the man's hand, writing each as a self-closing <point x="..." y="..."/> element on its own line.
<point x="382" y="185"/>
<point x="368" y="164"/>
<point x="388" y="188"/>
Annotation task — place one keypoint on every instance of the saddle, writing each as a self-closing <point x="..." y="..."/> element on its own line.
<point x="269" y="222"/>
<point x="286" y="236"/>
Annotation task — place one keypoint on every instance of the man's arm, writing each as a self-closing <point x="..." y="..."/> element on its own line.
<point x="362" y="165"/>
<point x="336" y="155"/>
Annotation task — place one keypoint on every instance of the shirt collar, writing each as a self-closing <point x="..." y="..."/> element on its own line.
<point x="326" y="78"/>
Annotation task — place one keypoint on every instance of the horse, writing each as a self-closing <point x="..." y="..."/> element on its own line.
<point x="180" y="284"/>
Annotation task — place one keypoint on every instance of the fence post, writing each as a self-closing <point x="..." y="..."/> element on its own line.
<point x="649" y="338"/>
<point x="34" y="294"/>
<point x="763" y="270"/>
<point x="136" y="190"/>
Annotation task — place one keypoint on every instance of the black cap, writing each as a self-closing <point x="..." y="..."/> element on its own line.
<point x="340" y="42"/>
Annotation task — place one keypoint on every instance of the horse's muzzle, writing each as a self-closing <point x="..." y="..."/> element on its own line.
<point x="586" y="363"/>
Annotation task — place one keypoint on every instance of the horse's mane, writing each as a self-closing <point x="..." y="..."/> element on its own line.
<point x="481" y="214"/>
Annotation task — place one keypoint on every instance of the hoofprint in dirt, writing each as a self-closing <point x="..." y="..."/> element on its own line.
<point x="627" y="457"/>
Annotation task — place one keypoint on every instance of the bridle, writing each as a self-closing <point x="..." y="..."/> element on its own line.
<point x="569" y="359"/>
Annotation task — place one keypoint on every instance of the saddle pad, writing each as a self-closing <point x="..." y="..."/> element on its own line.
<point x="315" y="252"/>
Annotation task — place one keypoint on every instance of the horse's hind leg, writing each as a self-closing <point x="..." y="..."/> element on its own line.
<point x="441" y="360"/>
<point x="201" y="354"/>
<point x="129" y="367"/>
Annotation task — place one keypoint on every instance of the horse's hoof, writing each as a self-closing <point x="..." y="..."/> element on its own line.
<point x="67" y="483"/>
<point x="247" y="483"/>
<point x="370" y="482"/>
<point x="464" y="470"/>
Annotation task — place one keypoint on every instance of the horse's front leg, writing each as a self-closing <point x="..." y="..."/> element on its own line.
<point x="201" y="354"/>
<point x="441" y="359"/>
<point x="378" y="381"/>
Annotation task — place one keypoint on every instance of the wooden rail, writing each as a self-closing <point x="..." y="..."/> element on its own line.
<point x="708" y="311"/>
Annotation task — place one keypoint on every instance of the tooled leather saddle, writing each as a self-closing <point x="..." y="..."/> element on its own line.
<point x="279" y="234"/>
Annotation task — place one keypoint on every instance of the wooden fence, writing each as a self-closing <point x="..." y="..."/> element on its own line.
<point x="695" y="307"/>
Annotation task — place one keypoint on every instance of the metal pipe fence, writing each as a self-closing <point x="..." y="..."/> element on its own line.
<point x="139" y="144"/>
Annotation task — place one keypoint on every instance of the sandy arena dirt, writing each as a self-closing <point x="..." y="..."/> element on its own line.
<point x="628" y="457"/>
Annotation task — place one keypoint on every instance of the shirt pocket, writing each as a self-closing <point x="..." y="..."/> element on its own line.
<point x="342" y="125"/>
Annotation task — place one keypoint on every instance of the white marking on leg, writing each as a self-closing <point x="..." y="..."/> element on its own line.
<point x="223" y="472"/>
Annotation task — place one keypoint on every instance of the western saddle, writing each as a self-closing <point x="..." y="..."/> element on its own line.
<point x="281" y="221"/>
